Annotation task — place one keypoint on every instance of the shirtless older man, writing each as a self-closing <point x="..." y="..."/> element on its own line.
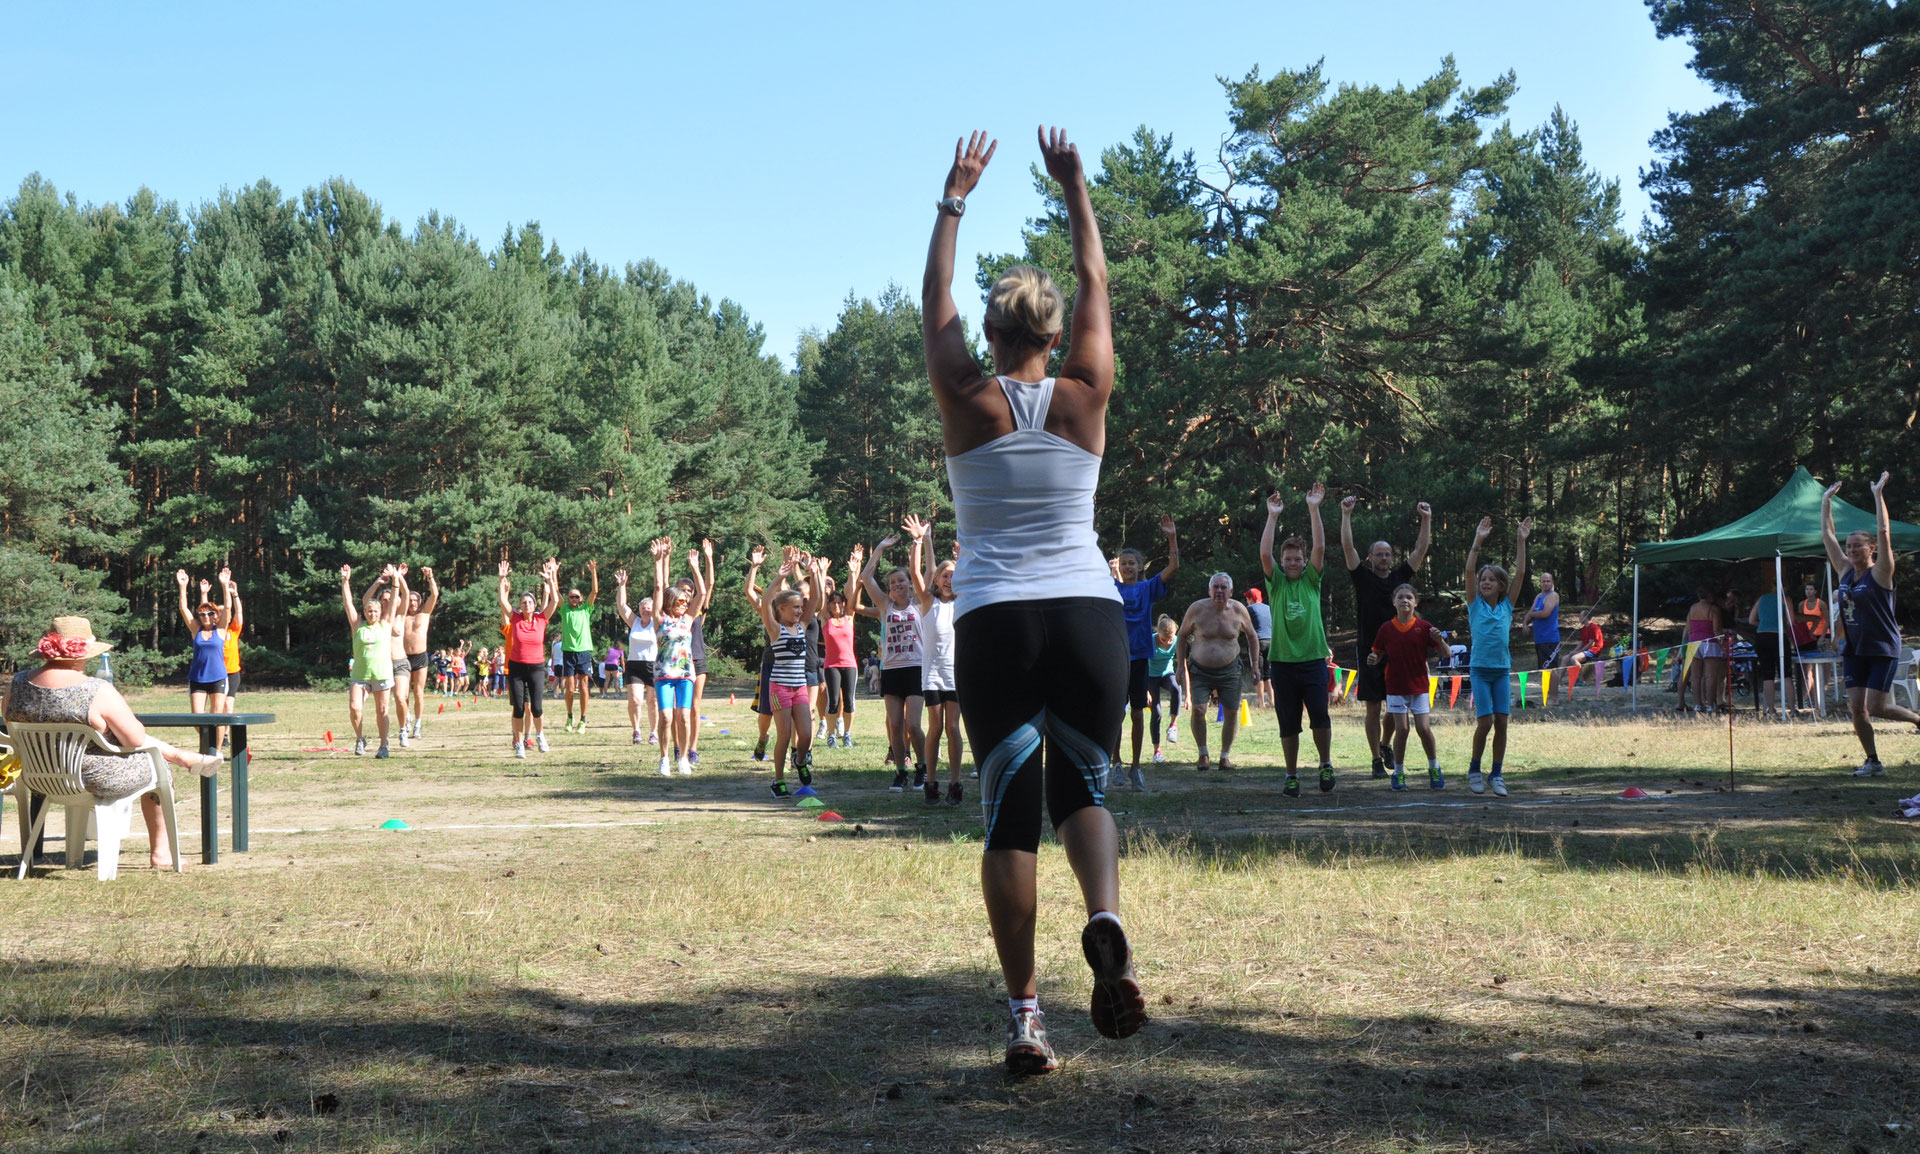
<point x="1209" y="652"/>
<point x="417" y="619"/>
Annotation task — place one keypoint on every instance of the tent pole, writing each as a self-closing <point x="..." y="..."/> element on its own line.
<point x="1633" y="650"/>
<point x="1780" y="627"/>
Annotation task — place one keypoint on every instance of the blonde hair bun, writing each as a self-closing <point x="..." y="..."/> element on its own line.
<point x="1025" y="308"/>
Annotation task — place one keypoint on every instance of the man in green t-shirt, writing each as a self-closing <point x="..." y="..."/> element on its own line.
<point x="1298" y="652"/>
<point x="576" y="646"/>
<point x="371" y="626"/>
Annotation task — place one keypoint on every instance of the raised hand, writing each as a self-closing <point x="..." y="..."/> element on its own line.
<point x="388" y="573"/>
<point x="954" y="552"/>
<point x="857" y="558"/>
<point x="1483" y="530"/>
<point x="205" y="585"/>
<point x="401" y="568"/>
<point x="506" y="569"/>
<point x="1316" y="495"/>
<point x="1424" y="509"/>
<point x="1880" y="484"/>
<point x="1348" y="502"/>
<point x="593" y="567"/>
<point x="887" y="542"/>
<point x="970" y="158"/>
<point x="1062" y="160"/>
<point x="427" y="572"/>
<point x="1526" y="528"/>
<point x="693" y="559"/>
<point x="1833" y="490"/>
<point x="620" y="578"/>
<point x="346" y="573"/>
<point x="180" y="577"/>
<point x="915" y="528"/>
<point x="226" y="576"/>
<point x="706" y="546"/>
<point x="1274" y="504"/>
<point x="757" y="556"/>
<point x="1166" y="524"/>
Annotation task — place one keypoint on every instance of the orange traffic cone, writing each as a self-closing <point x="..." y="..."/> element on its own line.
<point x="443" y="707"/>
<point x="329" y="737"/>
<point x="459" y="705"/>
<point x="733" y="699"/>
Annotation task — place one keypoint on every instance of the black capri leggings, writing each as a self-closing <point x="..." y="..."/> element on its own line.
<point x="1298" y="685"/>
<point x="1168" y="684"/>
<point x="1030" y="674"/>
<point x="839" y="682"/>
<point x="526" y="681"/>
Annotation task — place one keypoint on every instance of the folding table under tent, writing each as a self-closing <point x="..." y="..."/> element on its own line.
<point x="1786" y="526"/>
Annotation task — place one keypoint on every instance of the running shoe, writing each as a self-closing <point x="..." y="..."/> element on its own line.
<point x="382" y="751"/>
<point x="932" y="790"/>
<point x="760" y="750"/>
<point x="899" y="781"/>
<point x="1497" y="784"/>
<point x="403" y="737"/>
<point x="1438" y="780"/>
<point x="1476" y="781"/>
<point x="1118" y="1007"/>
<point x="1027" y="1049"/>
<point x="1326" y="779"/>
<point x="953" y="793"/>
<point x="1173" y="737"/>
<point x="359" y="747"/>
<point x="653" y="739"/>
<point x="636" y="737"/>
<point x="686" y="767"/>
<point x="803" y="765"/>
<point x="693" y="757"/>
<point x="919" y="774"/>
<point x="540" y="742"/>
<point x="1870" y="768"/>
<point x="1292" y="787"/>
<point x="417" y="723"/>
<point x="520" y="749"/>
<point x="1138" y="780"/>
<point x="1386" y="752"/>
<point x="779" y="788"/>
<point x="666" y="766"/>
<point x="1159" y="758"/>
<point x="1380" y="768"/>
<point x="1399" y="782"/>
<point x="846" y="741"/>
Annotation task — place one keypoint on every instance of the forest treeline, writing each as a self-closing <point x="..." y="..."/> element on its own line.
<point x="1392" y="289"/>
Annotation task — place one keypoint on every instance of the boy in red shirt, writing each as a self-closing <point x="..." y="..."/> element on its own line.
<point x="1592" y="642"/>
<point x="1403" y="644"/>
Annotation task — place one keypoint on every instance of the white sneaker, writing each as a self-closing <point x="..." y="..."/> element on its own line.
<point x="403" y="737"/>
<point x="520" y="749"/>
<point x="1870" y="768"/>
<point x="1137" y="779"/>
<point x="666" y="767"/>
<point x="1498" y="786"/>
<point x="417" y="722"/>
<point x="1173" y="737"/>
<point x="540" y="741"/>
<point x="686" y="767"/>
<point x="359" y="747"/>
<point x="636" y="737"/>
<point x="1159" y="758"/>
<point x="1476" y="781"/>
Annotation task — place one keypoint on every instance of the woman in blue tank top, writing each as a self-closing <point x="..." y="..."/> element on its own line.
<point x="1040" y="643"/>
<point x="1865" y="596"/>
<point x="207" y="628"/>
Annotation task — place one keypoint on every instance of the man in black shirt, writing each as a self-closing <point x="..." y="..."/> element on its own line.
<point x="1375" y="577"/>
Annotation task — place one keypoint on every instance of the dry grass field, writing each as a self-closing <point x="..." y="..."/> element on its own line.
<point x="573" y="954"/>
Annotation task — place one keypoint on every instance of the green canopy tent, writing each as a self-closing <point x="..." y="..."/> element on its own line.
<point x="1786" y="526"/>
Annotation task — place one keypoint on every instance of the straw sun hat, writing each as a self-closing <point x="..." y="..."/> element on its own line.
<point x="72" y="639"/>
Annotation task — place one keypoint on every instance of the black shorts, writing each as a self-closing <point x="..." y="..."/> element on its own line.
<point x="699" y="667"/>
<point x="940" y="696"/>
<point x="219" y="686"/>
<point x="1543" y="652"/>
<point x="1263" y="667"/>
<point x="1371" y="685"/>
<point x="839" y="681"/>
<point x="641" y="671"/>
<point x="233" y="684"/>
<point x="416" y="661"/>
<point x="1300" y="685"/>
<point x="901" y="682"/>
<point x="1137" y="683"/>
<point x="1041" y="675"/>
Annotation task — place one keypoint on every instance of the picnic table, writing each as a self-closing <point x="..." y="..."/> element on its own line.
<point x="208" y="724"/>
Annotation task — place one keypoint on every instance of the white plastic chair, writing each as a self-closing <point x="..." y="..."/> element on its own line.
<point x="50" y="756"/>
<point x="1904" y="679"/>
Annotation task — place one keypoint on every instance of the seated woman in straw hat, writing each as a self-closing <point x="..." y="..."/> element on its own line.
<point x="60" y="691"/>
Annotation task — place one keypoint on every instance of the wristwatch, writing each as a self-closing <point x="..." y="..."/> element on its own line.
<point x="953" y="206"/>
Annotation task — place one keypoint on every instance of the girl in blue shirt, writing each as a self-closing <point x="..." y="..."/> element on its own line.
<point x="1490" y="661"/>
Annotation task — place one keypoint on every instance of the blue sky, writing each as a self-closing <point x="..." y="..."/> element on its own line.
<point x="779" y="155"/>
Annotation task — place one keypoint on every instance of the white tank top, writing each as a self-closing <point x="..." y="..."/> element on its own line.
<point x="900" y="636"/>
<point x="936" y="645"/>
<point x="1023" y="504"/>
<point x="643" y="644"/>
